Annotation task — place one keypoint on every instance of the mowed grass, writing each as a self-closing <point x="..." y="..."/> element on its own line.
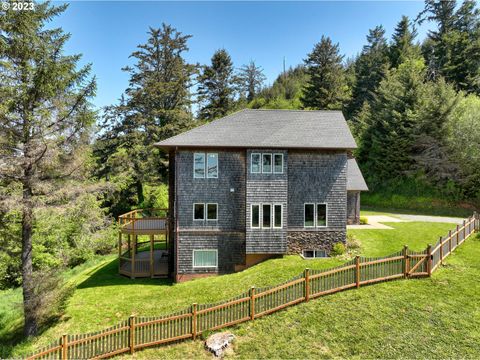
<point x="103" y="297"/>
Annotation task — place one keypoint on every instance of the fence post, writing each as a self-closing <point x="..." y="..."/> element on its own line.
<point x="406" y="268"/>
<point x="64" y="346"/>
<point x="357" y="271"/>
<point x="441" y="250"/>
<point x="458" y="235"/>
<point x="131" y="322"/>
<point x="464" y="230"/>
<point x="429" y="259"/>
<point x="252" y="303"/>
<point x="475" y="221"/>
<point x="194" y="320"/>
<point x="307" y="284"/>
<point x="449" y="241"/>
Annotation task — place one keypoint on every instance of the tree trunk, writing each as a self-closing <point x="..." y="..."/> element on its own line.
<point x="30" y="325"/>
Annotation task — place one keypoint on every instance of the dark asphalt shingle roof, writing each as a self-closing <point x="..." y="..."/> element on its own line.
<point x="270" y="129"/>
<point x="355" y="180"/>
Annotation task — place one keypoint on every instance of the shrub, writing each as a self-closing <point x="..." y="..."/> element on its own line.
<point x="353" y="242"/>
<point x="363" y="220"/>
<point x="338" y="249"/>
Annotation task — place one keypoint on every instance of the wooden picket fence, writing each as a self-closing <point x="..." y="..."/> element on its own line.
<point x="140" y="332"/>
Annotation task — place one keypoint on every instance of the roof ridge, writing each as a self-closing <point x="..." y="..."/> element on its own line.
<point x="292" y="110"/>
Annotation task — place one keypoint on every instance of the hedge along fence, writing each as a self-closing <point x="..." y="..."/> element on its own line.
<point x="141" y="332"/>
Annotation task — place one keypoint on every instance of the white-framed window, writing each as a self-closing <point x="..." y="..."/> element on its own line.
<point x="256" y="163"/>
<point x="267" y="163"/>
<point x="199" y="165"/>
<point x="277" y="216"/>
<point x="212" y="165"/>
<point x="205" y="165"/>
<point x="278" y="163"/>
<point x="198" y="211"/>
<point x="266" y="216"/>
<point x="205" y="258"/>
<point x="255" y="216"/>
<point x="212" y="211"/>
<point x="315" y="215"/>
<point x="311" y="254"/>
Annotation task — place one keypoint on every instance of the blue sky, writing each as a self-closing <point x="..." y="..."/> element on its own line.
<point x="107" y="32"/>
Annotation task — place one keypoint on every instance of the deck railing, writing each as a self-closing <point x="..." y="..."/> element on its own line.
<point x="141" y="332"/>
<point x="138" y="219"/>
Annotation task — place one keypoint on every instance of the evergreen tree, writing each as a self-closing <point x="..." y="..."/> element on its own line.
<point x="45" y="119"/>
<point x="251" y="79"/>
<point x="370" y="68"/>
<point x="216" y="89"/>
<point x="402" y="46"/>
<point x="156" y="105"/>
<point x="326" y="85"/>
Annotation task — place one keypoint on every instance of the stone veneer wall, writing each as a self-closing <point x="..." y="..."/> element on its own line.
<point x="297" y="241"/>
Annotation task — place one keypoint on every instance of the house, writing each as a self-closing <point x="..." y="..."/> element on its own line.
<point x="260" y="183"/>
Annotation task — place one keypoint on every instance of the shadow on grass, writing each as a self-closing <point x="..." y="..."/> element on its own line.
<point x="107" y="275"/>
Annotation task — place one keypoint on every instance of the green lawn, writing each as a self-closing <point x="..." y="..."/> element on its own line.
<point x="103" y="297"/>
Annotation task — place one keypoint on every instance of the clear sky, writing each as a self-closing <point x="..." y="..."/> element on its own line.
<point x="107" y="32"/>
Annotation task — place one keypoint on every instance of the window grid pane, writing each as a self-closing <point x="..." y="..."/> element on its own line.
<point x="278" y="163"/>
<point x="321" y="215"/>
<point x="255" y="216"/>
<point x="267" y="163"/>
<point x="256" y="163"/>
<point x="266" y="216"/>
<point x="309" y="215"/>
<point x="212" y="211"/>
<point x="199" y="211"/>
<point x="212" y="165"/>
<point x="277" y="216"/>
<point x="199" y="165"/>
<point x="205" y="258"/>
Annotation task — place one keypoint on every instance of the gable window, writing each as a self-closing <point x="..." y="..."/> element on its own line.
<point x="315" y="215"/>
<point x="277" y="216"/>
<point x="255" y="216"/>
<point x="255" y="164"/>
<point x="199" y="165"/>
<point x="205" y="258"/>
<point x="212" y="165"/>
<point x="321" y="215"/>
<point x="278" y="163"/>
<point x="212" y="211"/>
<point x="198" y="211"/>
<point x="266" y="215"/>
<point x="311" y="254"/>
<point x="309" y="215"/>
<point x="266" y="163"/>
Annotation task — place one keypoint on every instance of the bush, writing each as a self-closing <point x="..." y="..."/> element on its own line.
<point x="338" y="249"/>
<point x="363" y="220"/>
<point x="353" y="242"/>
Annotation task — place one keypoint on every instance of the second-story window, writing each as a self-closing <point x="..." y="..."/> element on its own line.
<point x="256" y="163"/>
<point x="205" y="165"/>
<point x="278" y="163"/>
<point x="266" y="163"/>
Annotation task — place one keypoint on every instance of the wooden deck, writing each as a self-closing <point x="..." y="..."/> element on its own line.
<point x="145" y="226"/>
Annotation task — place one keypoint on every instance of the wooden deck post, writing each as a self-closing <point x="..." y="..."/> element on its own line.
<point x="406" y="265"/>
<point x="357" y="271"/>
<point x="151" y="255"/>
<point x="64" y="346"/>
<point x="441" y="250"/>
<point x="131" y="322"/>
<point x="429" y="259"/>
<point x="252" y="303"/>
<point x="132" y="258"/>
<point x="194" y="320"/>
<point x="119" y="248"/>
<point x="307" y="284"/>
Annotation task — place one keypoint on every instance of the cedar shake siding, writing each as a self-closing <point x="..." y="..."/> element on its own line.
<point x="227" y="233"/>
<point x="266" y="189"/>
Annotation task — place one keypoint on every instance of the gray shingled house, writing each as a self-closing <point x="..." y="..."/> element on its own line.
<point x="257" y="184"/>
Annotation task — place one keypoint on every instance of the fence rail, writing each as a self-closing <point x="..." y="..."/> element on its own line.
<point x="140" y="332"/>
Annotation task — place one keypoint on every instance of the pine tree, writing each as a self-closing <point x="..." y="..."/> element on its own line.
<point x="45" y="122"/>
<point x="326" y="86"/>
<point x="402" y="46"/>
<point x="216" y="89"/>
<point x="370" y="68"/>
<point x="251" y="79"/>
<point x="156" y="105"/>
